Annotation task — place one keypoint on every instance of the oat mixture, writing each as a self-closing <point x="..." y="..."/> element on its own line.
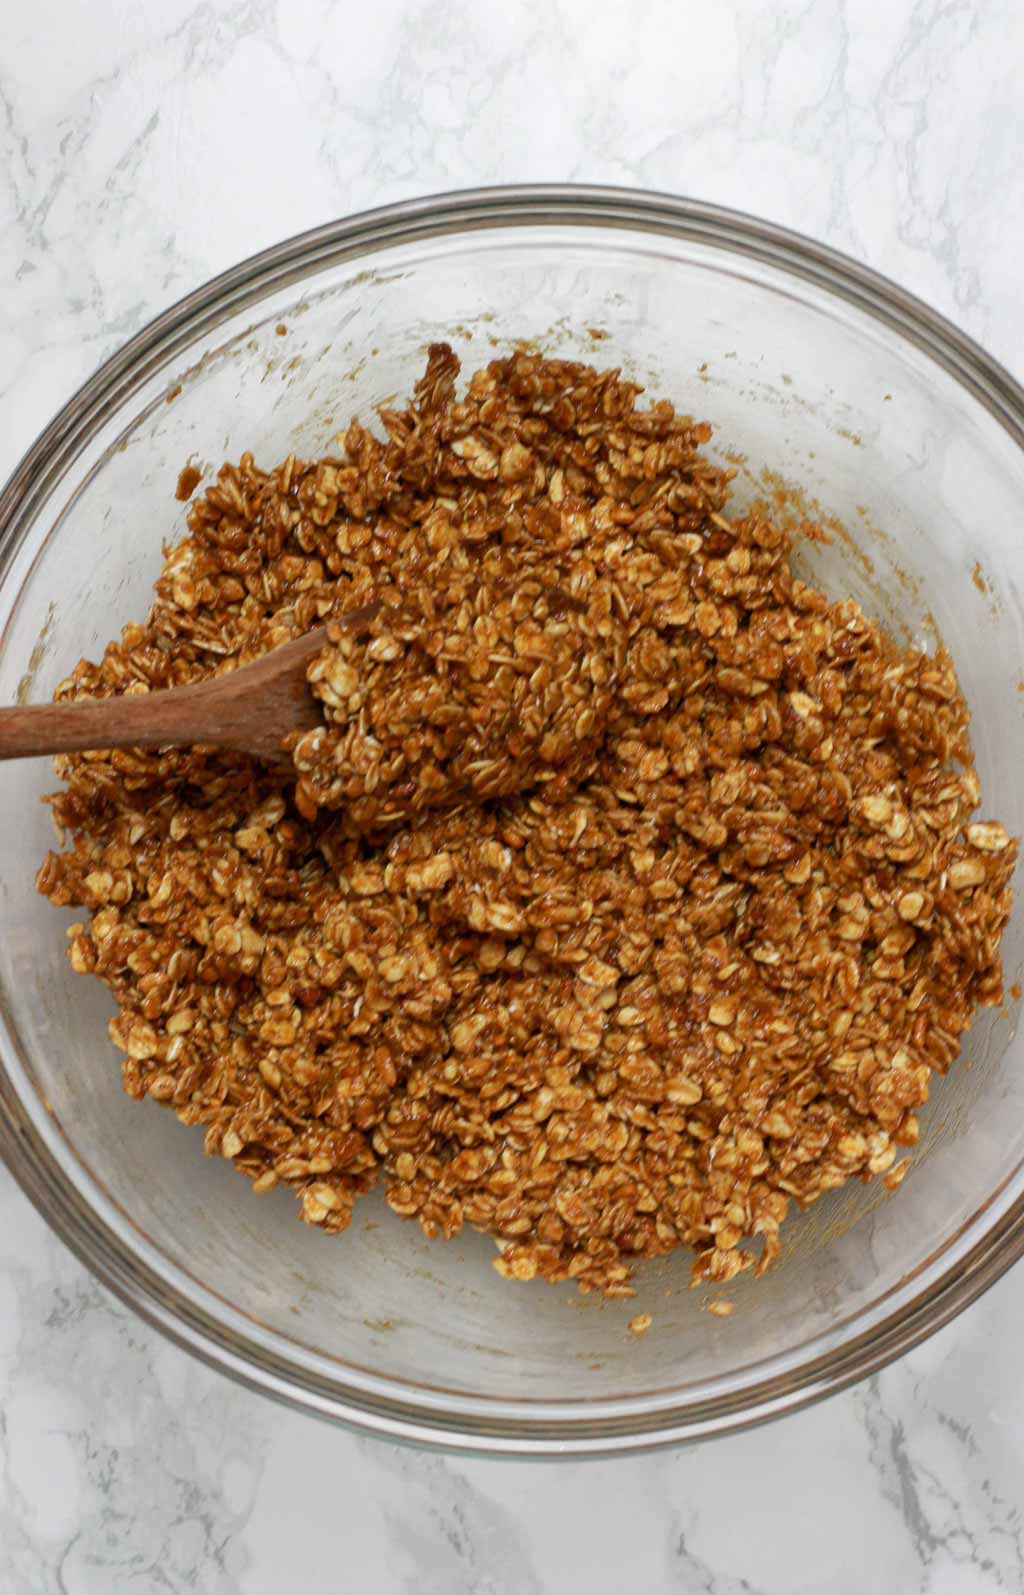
<point x="630" y="890"/>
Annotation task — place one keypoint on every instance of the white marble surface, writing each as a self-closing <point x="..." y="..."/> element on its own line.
<point x="143" y="147"/>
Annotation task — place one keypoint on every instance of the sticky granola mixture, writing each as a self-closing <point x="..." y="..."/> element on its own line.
<point x="631" y="889"/>
<point x="473" y="682"/>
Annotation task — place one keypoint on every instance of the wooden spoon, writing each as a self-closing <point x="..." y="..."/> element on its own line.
<point x="251" y="709"/>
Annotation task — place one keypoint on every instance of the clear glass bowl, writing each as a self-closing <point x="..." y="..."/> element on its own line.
<point x="807" y="365"/>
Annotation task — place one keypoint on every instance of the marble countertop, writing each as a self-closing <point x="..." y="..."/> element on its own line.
<point x="143" y="148"/>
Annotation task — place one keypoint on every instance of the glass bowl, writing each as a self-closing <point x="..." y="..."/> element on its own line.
<point x="811" y="369"/>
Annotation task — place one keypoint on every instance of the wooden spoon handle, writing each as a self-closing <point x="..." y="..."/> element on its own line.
<point x="150" y="720"/>
<point x="251" y="709"/>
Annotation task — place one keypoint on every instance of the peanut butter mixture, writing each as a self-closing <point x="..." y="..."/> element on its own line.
<point x="630" y="889"/>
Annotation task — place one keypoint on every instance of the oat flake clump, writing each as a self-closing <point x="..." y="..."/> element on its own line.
<point x="630" y="889"/>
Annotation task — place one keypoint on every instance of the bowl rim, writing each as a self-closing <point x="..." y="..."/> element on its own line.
<point x="192" y="1316"/>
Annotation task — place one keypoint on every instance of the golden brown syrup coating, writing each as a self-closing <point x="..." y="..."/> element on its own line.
<point x="630" y="889"/>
